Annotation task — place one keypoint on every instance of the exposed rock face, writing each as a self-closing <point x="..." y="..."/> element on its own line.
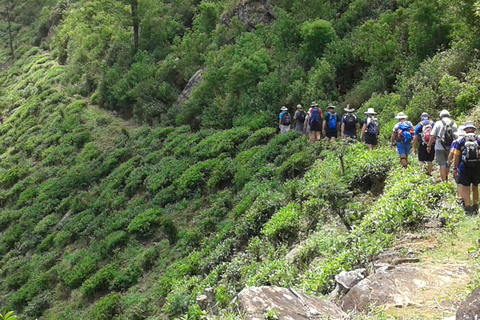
<point x="347" y="280"/>
<point x="251" y="13"/>
<point x="470" y="309"/>
<point x="290" y="305"/>
<point x="194" y="81"/>
<point x="404" y="286"/>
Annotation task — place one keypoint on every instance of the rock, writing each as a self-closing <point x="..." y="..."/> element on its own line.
<point x="254" y="302"/>
<point x="250" y="13"/>
<point x="347" y="280"/>
<point x="194" y="81"/>
<point x="207" y="302"/>
<point x="434" y="222"/>
<point x="470" y="309"/>
<point x="202" y="302"/>
<point x="404" y="286"/>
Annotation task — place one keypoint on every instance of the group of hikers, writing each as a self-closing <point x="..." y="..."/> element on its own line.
<point x="452" y="147"/>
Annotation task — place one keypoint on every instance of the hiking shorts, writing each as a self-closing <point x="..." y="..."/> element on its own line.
<point x="351" y="134"/>
<point x="469" y="176"/>
<point x="284" y="128"/>
<point x="442" y="156"/>
<point x="299" y="127"/>
<point x="371" y="139"/>
<point x="404" y="148"/>
<point x="423" y="155"/>
<point x="315" y="127"/>
<point x="332" y="134"/>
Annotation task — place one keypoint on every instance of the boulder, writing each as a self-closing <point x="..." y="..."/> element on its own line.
<point x="250" y="13"/>
<point x="347" y="280"/>
<point x="405" y="286"/>
<point x="194" y="81"/>
<point x="288" y="304"/>
<point x="470" y="309"/>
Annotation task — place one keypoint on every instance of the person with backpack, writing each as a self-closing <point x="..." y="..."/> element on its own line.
<point x="306" y="124"/>
<point x="421" y="137"/>
<point x="299" y="117"/>
<point x="466" y="153"/>
<point x="443" y="135"/>
<point x="459" y="135"/>
<point x="402" y="135"/>
<point x="284" y="120"/>
<point x="315" y="122"/>
<point x="370" y="129"/>
<point x="331" y="123"/>
<point x="349" y="124"/>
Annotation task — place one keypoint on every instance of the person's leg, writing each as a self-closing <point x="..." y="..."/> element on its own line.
<point x="403" y="160"/>
<point x="475" y="195"/>
<point x="429" y="168"/>
<point x="466" y="195"/>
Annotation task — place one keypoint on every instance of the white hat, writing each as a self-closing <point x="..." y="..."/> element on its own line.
<point x="444" y="113"/>
<point x="330" y="106"/>
<point x="370" y="111"/>
<point x="348" y="109"/>
<point x="460" y="132"/>
<point x="283" y="108"/>
<point x="469" y="125"/>
<point x="401" y="115"/>
<point x="299" y="106"/>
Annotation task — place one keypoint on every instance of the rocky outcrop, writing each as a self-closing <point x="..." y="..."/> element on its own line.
<point x="255" y="302"/>
<point x="404" y="286"/>
<point x="470" y="309"/>
<point x="250" y="13"/>
<point x="194" y="81"/>
<point x="347" y="280"/>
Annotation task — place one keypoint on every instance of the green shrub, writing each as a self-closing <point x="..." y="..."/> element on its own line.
<point x="284" y="225"/>
<point x="145" y="223"/>
<point x="107" y="307"/>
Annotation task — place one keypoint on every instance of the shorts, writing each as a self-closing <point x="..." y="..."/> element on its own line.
<point x="351" y="134"/>
<point x="371" y="139"/>
<point x="332" y="134"/>
<point x="284" y="128"/>
<point x="423" y="155"/>
<point x="404" y="148"/>
<point x="315" y="127"/>
<point x="442" y="156"/>
<point x="299" y="127"/>
<point x="469" y="176"/>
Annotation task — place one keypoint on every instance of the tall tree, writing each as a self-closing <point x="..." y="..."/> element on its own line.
<point x="7" y="9"/>
<point x="135" y="22"/>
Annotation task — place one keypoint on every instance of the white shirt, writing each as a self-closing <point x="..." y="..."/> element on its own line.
<point x="438" y="131"/>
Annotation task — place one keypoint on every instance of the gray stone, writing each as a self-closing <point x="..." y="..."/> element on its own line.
<point x="250" y="13"/>
<point x="347" y="280"/>
<point x="254" y="302"/>
<point x="404" y="286"/>
<point x="470" y="309"/>
<point x="194" y="81"/>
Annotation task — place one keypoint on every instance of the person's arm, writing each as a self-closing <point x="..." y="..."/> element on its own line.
<point x="456" y="161"/>
<point x="342" y="129"/>
<point x="451" y="155"/>
<point x="357" y="125"/>
<point x="430" y="142"/>
<point x="415" y="142"/>
<point x="323" y="127"/>
<point x="295" y="116"/>
<point x="392" y="139"/>
<point x="363" y="131"/>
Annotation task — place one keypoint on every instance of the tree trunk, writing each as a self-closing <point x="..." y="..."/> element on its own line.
<point x="10" y="32"/>
<point x="136" y="23"/>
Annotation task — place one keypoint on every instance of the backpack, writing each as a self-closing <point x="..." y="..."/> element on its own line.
<point x="405" y="132"/>
<point x="332" y="122"/>
<point x="373" y="127"/>
<point x="286" y="118"/>
<point x="301" y="117"/>
<point x="315" y="117"/>
<point x="448" y="136"/>
<point x="426" y="130"/>
<point x="350" y="120"/>
<point x="470" y="150"/>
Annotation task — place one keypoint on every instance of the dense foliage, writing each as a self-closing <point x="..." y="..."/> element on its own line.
<point x="103" y="218"/>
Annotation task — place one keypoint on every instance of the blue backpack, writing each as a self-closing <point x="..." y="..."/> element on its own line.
<point x="405" y="132"/>
<point x="315" y="117"/>
<point x="332" y="123"/>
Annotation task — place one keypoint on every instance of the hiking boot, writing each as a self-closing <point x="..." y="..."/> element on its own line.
<point x="460" y="202"/>
<point x="468" y="209"/>
<point x="475" y="209"/>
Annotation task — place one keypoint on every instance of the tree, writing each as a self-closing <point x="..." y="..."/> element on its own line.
<point x="135" y="22"/>
<point x="7" y="9"/>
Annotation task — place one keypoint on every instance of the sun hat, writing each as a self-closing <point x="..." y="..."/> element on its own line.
<point x="469" y="125"/>
<point x="401" y="115"/>
<point x="330" y="106"/>
<point x="348" y="109"/>
<point x="313" y="104"/>
<point x="424" y="115"/>
<point x="370" y="111"/>
<point x="444" y="113"/>
<point x="460" y="132"/>
<point x="299" y="106"/>
<point x="283" y="108"/>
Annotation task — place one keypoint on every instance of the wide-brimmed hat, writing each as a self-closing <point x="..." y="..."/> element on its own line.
<point x="444" y="113"/>
<point x="299" y="106"/>
<point x="460" y="132"/>
<point x="401" y="115"/>
<point x="313" y="104"/>
<point x="283" y="108"/>
<point x="370" y="111"/>
<point x="348" y="109"/>
<point x="424" y="115"/>
<point x="469" y="125"/>
<point x="330" y="106"/>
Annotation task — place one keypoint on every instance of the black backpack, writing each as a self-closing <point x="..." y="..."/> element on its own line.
<point x="301" y="117"/>
<point x="470" y="150"/>
<point x="448" y="135"/>
<point x="350" y="120"/>
<point x="286" y="118"/>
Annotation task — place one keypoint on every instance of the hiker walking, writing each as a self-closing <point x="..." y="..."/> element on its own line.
<point x="459" y="135"/>
<point x="331" y="123"/>
<point x="284" y="120"/>
<point x="370" y="129"/>
<point x="299" y="117"/>
<point x="315" y="122"/>
<point x="350" y="124"/>
<point x="306" y="124"/>
<point x="421" y="138"/>
<point x="467" y="158"/>
<point x="443" y="135"/>
<point x="402" y="135"/>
